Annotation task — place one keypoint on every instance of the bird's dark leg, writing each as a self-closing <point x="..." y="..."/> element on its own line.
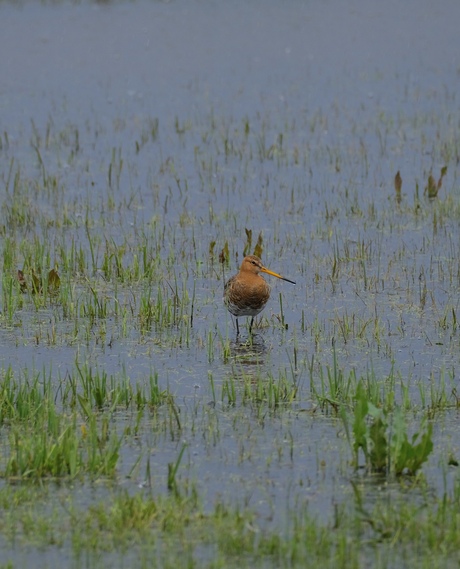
<point x="250" y="325"/>
<point x="237" y="328"/>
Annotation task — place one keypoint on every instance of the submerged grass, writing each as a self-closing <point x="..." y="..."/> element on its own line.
<point x="259" y="391"/>
<point x="177" y="530"/>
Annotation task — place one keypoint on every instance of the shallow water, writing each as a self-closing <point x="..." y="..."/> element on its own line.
<point x="181" y="124"/>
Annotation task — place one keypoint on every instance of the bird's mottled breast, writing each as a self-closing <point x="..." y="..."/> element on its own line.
<point x="244" y="298"/>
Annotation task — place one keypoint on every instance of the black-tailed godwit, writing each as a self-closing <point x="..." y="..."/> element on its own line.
<point x="247" y="293"/>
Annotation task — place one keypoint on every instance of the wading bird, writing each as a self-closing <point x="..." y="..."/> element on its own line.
<point x="247" y="293"/>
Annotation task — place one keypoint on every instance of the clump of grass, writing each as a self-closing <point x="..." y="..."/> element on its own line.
<point x="55" y="445"/>
<point x="79" y="438"/>
<point x="165" y="308"/>
<point x="95" y="389"/>
<point x="101" y="446"/>
<point x="22" y="400"/>
<point x="12" y="300"/>
<point x="259" y="391"/>
<point x="53" y="452"/>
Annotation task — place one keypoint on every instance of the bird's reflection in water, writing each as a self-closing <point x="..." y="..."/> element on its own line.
<point x="247" y="355"/>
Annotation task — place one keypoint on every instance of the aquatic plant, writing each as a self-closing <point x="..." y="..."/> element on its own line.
<point x="384" y="440"/>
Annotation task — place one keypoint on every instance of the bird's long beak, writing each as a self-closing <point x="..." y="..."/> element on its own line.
<point x="264" y="270"/>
